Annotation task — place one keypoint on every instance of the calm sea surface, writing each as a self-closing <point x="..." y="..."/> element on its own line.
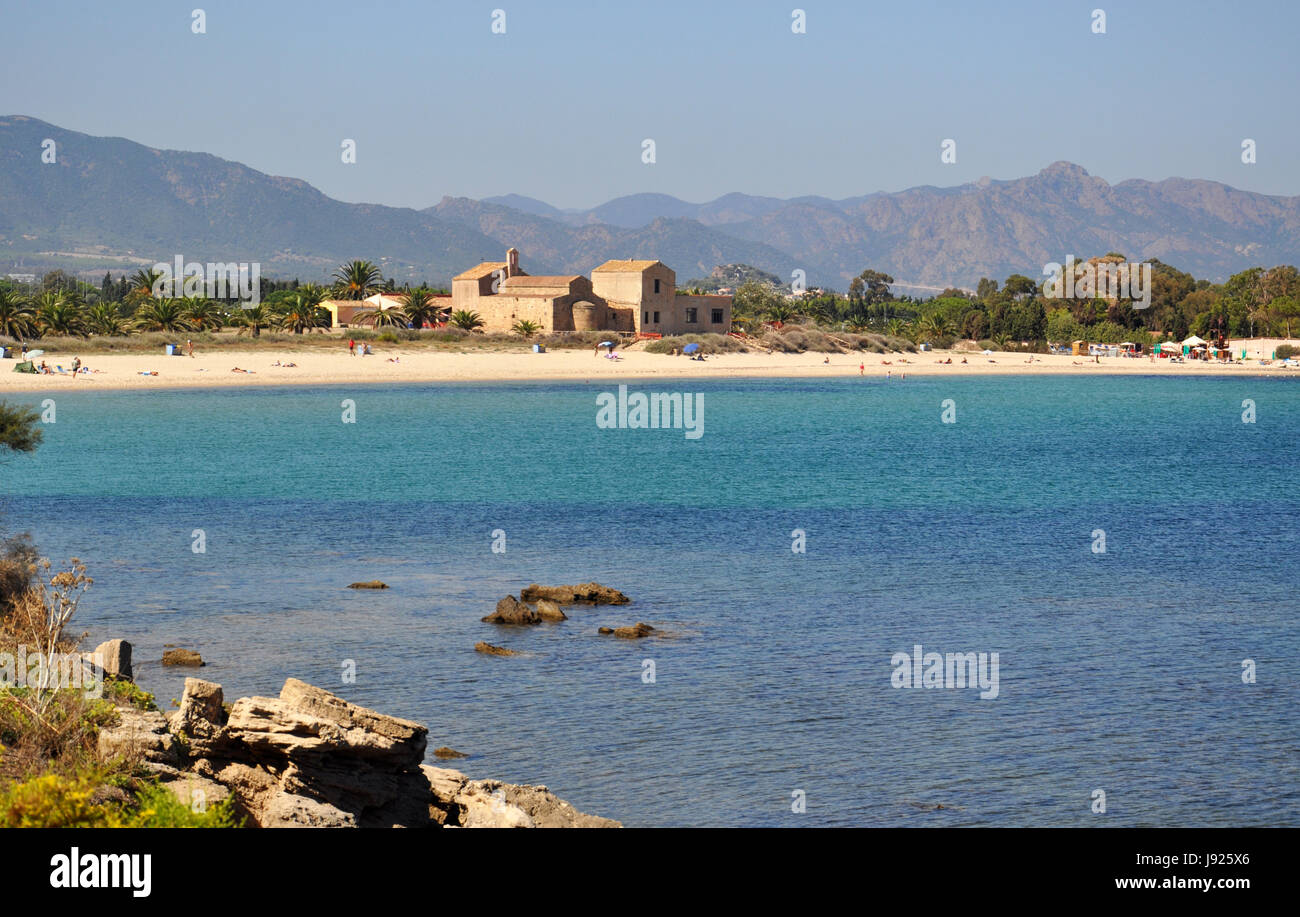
<point x="1119" y="671"/>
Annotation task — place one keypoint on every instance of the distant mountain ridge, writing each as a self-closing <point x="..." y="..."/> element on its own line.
<point x="109" y="203"/>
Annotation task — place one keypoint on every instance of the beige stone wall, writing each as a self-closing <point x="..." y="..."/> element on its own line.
<point x="635" y="290"/>
<point x="704" y="307"/>
<point x="501" y="311"/>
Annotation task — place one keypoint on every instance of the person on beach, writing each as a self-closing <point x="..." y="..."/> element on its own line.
<point x="189" y="348"/>
<point x="76" y="367"/>
<point x="862" y="369"/>
<point x="352" y="347"/>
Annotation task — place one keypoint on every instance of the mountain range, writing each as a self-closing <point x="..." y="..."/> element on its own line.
<point x="110" y="203"/>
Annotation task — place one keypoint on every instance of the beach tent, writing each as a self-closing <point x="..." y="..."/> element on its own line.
<point x="690" y="348"/>
<point x="1193" y="341"/>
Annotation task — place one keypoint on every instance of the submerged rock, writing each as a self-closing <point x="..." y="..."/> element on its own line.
<point x="491" y="650"/>
<point x="446" y="752"/>
<point x="604" y="630"/>
<point x="512" y="611"/>
<point x="581" y="594"/>
<point x="635" y="632"/>
<point x="373" y="584"/>
<point x="182" y="657"/>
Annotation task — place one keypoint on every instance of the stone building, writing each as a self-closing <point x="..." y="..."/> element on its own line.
<point x="621" y="296"/>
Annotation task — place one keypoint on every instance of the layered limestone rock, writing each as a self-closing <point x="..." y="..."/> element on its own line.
<point x="311" y="759"/>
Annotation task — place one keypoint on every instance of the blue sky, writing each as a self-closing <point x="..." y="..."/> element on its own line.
<point x="557" y="107"/>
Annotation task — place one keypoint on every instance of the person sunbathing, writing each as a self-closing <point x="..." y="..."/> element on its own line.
<point x="245" y="371"/>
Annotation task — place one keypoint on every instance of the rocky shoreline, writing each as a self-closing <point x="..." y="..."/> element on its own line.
<point x="311" y="759"/>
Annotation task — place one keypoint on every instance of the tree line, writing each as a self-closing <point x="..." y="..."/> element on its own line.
<point x="1251" y="303"/>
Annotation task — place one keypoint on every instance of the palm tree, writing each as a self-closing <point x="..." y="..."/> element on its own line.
<point x="162" y="315"/>
<point x="895" y="328"/>
<point x="469" y="321"/>
<point x="779" y="312"/>
<point x="143" y="282"/>
<point x="377" y="317"/>
<point x="356" y="280"/>
<point x="60" y="313"/>
<point x="419" y="307"/>
<point x="302" y="314"/>
<point x="17" y="319"/>
<point x="934" y="326"/>
<point x="203" y="314"/>
<point x="252" y="320"/>
<point x="526" y="327"/>
<point x="103" y="318"/>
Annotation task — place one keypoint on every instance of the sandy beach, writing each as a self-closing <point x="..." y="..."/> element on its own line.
<point x="398" y="364"/>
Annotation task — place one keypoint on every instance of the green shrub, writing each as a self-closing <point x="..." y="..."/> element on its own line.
<point x="709" y="343"/>
<point x="128" y="692"/>
<point x="74" y="801"/>
<point x="1284" y="351"/>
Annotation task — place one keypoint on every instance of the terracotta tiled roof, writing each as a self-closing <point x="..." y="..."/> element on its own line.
<point x="483" y="270"/>
<point x="541" y="280"/>
<point x="618" y="265"/>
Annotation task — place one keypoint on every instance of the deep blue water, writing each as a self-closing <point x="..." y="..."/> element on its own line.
<point x="1118" y="671"/>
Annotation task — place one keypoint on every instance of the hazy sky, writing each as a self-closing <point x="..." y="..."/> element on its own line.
<point x="558" y="106"/>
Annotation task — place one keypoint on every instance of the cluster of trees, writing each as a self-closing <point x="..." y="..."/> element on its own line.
<point x="1254" y="302"/>
<point x="59" y="304"/>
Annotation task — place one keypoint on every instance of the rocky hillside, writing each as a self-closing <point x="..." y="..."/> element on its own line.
<point x="109" y="203"/>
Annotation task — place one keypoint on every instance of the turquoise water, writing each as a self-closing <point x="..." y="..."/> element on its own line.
<point x="1118" y="671"/>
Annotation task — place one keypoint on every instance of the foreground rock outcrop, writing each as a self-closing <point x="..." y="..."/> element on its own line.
<point x="308" y="758"/>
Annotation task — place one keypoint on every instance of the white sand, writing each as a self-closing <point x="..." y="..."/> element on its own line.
<point x="322" y="367"/>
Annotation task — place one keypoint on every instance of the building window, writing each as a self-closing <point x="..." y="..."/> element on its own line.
<point x="656" y="286"/>
<point x="717" y="316"/>
<point x="656" y="318"/>
<point x="690" y="316"/>
<point x="646" y="319"/>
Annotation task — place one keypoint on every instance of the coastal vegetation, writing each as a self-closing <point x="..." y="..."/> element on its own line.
<point x="123" y="314"/>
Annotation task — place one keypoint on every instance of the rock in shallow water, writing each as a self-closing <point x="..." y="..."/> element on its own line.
<point x="581" y="594"/>
<point x="491" y="650"/>
<point x="512" y="611"/>
<point x="182" y="657"/>
<point x="372" y="584"/>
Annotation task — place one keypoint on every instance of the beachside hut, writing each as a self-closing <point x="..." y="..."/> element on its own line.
<point x="1079" y="348"/>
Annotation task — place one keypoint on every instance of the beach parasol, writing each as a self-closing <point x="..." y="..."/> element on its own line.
<point x="690" y="348"/>
<point x="988" y="353"/>
<point x="33" y="354"/>
<point x="605" y="344"/>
